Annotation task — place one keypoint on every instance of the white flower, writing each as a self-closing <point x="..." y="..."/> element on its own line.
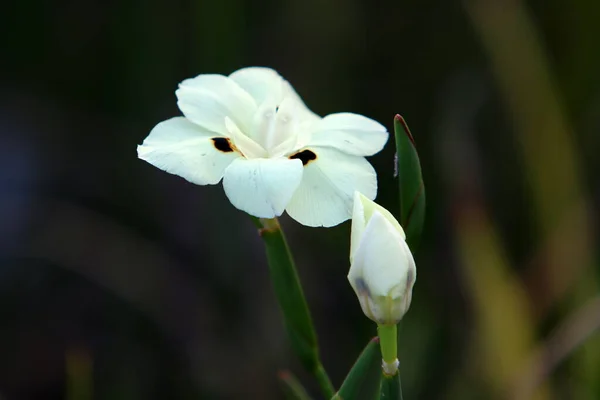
<point x="252" y="130"/>
<point x="382" y="271"/>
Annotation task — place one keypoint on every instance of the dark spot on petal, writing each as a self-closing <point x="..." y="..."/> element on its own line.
<point x="362" y="287"/>
<point x="222" y="144"/>
<point x="305" y="156"/>
<point x="410" y="279"/>
<point x="276" y="108"/>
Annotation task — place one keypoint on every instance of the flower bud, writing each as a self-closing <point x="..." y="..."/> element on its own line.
<point x="382" y="271"/>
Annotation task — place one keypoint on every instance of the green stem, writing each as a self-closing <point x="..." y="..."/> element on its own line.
<point x="289" y="294"/>
<point x="388" y="341"/>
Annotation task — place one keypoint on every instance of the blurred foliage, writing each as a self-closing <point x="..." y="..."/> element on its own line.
<point x="122" y="281"/>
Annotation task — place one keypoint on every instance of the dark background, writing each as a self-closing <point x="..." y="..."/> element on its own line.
<point x="120" y="281"/>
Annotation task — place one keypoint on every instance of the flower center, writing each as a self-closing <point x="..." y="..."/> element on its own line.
<point x="274" y="127"/>
<point x="274" y="132"/>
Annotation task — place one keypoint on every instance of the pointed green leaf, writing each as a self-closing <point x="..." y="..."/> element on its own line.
<point x="412" y="189"/>
<point x="362" y="382"/>
<point x="391" y="388"/>
<point x="289" y="294"/>
<point x="292" y="387"/>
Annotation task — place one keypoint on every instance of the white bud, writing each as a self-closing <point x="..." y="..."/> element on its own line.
<point x="382" y="271"/>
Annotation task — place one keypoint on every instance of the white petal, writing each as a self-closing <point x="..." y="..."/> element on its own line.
<point x="350" y="133"/>
<point x="247" y="146"/>
<point x="182" y="148"/>
<point x="263" y="84"/>
<point x="207" y="99"/>
<point x="362" y="212"/>
<point x="382" y="259"/>
<point x="262" y="187"/>
<point x="266" y="85"/>
<point x="359" y="223"/>
<point x="324" y="198"/>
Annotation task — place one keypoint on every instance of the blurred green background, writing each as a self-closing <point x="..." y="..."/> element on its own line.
<point x="120" y="281"/>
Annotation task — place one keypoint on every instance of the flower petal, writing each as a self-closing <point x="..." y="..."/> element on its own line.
<point x="263" y="84"/>
<point x="383" y="272"/>
<point x="262" y="187"/>
<point x="324" y="198"/>
<point x="266" y="85"/>
<point x="350" y="133"/>
<point x="382" y="259"/>
<point x="248" y="147"/>
<point x="207" y="99"/>
<point x="362" y="211"/>
<point x="359" y="223"/>
<point x="182" y="148"/>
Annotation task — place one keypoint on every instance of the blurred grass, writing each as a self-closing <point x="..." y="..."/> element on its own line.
<point x="79" y="374"/>
<point x="526" y="81"/>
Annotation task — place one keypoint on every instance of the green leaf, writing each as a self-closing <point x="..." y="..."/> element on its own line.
<point x="292" y="388"/>
<point x="412" y="189"/>
<point x="290" y="297"/>
<point x="390" y="387"/>
<point x="362" y="381"/>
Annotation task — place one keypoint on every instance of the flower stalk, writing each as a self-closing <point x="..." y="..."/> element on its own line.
<point x="290" y="296"/>
<point x="388" y="342"/>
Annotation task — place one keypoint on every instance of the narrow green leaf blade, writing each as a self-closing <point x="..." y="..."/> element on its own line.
<point x="289" y="294"/>
<point x="292" y="387"/>
<point x="391" y="389"/>
<point x="362" y="382"/>
<point x="412" y="188"/>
